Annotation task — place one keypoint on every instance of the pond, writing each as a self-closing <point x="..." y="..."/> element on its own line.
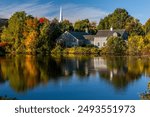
<point x="27" y="77"/>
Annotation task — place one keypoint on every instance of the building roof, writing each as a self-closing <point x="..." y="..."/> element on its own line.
<point x="89" y="37"/>
<point x="107" y="33"/>
<point x="79" y="35"/>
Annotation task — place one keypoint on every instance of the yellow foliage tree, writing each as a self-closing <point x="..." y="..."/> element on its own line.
<point x="135" y="45"/>
<point x="30" y="41"/>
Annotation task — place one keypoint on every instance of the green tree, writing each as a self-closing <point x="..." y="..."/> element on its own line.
<point x="120" y="19"/>
<point x="14" y="32"/>
<point x="54" y="32"/>
<point x="81" y="25"/>
<point x="85" y="25"/>
<point x="66" y="25"/>
<point x="117" y="19"/>
<point x="134" y="27"/>
<point x="115" y="46"/>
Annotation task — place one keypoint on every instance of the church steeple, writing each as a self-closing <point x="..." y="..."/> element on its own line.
<point x="61" y="15"/>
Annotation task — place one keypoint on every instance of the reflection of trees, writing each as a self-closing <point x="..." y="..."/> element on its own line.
<point x="77" y="64"/>
<point x="146" y="94"/>
<point x="123" y="70"/>
<point x="26" y="72"/>
<point x="1" y="76"/>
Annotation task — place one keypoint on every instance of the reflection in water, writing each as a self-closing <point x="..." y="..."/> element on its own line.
<point x="27" y="72"/>
<point x="146" y="94"/>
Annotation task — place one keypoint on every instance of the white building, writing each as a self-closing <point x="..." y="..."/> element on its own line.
<point x="100" y="39"/>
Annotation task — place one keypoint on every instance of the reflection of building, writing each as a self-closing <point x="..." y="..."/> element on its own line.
<point x="99" y="63"/>
<point x="77" y="66"/>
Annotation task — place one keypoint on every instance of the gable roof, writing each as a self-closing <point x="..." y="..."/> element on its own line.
<point x="89" y="37"/>
<point x="79" y="35"/>
<point x="107" y="33"/>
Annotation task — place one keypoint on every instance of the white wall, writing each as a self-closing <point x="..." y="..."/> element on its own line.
<point x="100" y="41"/>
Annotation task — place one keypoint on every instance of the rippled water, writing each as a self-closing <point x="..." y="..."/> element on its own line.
<point x="73" y="77"/>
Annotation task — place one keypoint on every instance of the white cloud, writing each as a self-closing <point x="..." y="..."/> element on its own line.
<point x="71" y="12"/>
<point x="32" y="8"/>
<point x="75" y="12"/>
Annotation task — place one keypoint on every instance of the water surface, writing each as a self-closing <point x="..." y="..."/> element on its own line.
<point x="73" y="77"/>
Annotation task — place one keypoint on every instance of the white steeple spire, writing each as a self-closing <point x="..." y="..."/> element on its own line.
<point x="61" y="15"/>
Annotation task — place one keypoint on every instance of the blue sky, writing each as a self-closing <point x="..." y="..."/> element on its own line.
<point x="76" y="9"/>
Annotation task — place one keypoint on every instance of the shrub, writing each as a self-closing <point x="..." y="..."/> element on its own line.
<point x="57" y="50"/>
<point x="95" y="51"/>
<point x="115" y="46"/>
<point x="81" y="50"/>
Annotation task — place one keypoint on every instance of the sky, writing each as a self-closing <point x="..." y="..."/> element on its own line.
<point x="74" y="10"/>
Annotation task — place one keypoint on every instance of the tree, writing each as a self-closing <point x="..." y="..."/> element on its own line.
<point x="37" y="35"/>
<point x="44" y="40"/>
<point x="135" y="45"/>
<point x="134" y="27"/>
<point x="146" y="49"/>
<point x="54" y="32"/>
<point x="120" y="19"/>
<point x="30" y="42"/>
<point x="147" y="26"/>
<point x="66" y="25"/>
<point x="81" y="25"/>
<point x="115" y="46"/>
<point x="117" y="19"/>
<point x="85" y="25"/>
<point x="14" y="32"/>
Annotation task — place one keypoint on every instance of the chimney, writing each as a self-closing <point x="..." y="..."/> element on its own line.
<point x="111" y="29"/>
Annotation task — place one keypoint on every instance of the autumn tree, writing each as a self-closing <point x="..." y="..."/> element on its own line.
<point x="147" y="26"/>
<point x="37" y="34"/>
<point x="135" y="45"/>
<point x="134" y="27"/>
<point x="146" y="49"/>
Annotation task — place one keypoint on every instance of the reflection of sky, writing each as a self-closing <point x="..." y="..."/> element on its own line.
<point x="97" y="78"/>
<point x="92" y="88"/>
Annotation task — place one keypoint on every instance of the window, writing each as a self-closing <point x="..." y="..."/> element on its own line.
<point x="98" y="44"/>
<point x="104" y="43"/>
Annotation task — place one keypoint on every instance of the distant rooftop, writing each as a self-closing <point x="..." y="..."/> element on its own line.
<point x="79" y="35"/>
<point x="107" y="33"/>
